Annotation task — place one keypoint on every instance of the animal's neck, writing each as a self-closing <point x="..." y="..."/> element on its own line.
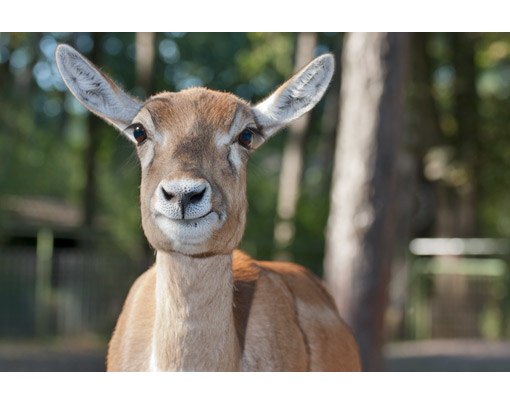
<point x="194" y="325"/>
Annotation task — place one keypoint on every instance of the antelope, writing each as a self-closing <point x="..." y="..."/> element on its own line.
<point x="204" y="305"/>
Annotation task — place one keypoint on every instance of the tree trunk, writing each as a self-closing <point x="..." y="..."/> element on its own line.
<point x="292" y="160"/>
<point x="466" y="114"/>
<point x="144" y="61"/>
<point x="360" y="235"/>
<point x="457" y="195"/>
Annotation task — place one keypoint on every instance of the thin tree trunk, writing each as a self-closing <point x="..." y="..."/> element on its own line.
<point x="292" y="160"/>
<point x="457" y="199"/>
<point x="466" y="114"/>
<point x="360" y="235"/>
<point x="144" y="61"/>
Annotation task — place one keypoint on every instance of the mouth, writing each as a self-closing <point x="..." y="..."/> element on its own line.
<point x="188" y="231"/>
<point x="190" y="222"/>
<point x="156" y="215"/>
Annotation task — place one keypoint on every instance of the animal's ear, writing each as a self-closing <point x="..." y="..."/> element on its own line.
<point x="94" y="89"/>
<point x="296" y="96"/>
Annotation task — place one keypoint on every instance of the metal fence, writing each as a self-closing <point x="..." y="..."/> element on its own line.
<point x="459" y="288"/>
<point x="73" y="292"/>
<point x="454" y="288"/>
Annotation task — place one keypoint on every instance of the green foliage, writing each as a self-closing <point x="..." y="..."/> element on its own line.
<point x="44" y="131"/>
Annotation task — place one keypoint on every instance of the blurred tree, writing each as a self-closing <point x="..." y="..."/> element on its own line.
<point x="144" y="61"/>
<point x="454" y="164"/>
<point x="45" y="133"/>
<point x="360" y="239"/>
<point x="466" y="115"/>
<point x="292" y="159"/>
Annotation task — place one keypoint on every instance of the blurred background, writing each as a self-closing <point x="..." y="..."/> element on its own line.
<point x="395" y="189"/>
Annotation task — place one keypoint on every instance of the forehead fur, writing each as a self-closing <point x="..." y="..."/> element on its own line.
<point x="205" y="108"/>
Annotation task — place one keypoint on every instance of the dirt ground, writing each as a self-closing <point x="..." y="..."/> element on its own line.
<point x="53" y="356"/>
<point x="434" y="355"/>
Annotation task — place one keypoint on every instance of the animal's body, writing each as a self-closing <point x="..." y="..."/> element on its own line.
<point x="284" y="321"/>
<point x="205" y="305"/>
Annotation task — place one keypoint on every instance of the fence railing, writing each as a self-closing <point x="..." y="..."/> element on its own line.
<point x="459" y="288"/>
<point x="78" y="291"/>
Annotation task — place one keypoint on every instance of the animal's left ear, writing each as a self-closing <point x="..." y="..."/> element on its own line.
<point x="296" y="96"/>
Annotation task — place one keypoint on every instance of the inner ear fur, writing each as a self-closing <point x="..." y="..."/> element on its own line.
<point x="296" y="96"/>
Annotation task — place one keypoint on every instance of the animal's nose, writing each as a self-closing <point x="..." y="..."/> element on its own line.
<point x="183" y="194"/>
<point x="185" y="198"/>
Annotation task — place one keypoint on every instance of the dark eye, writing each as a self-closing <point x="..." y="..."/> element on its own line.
<point x="245" y="138"/>
<point x="139" y="133"/>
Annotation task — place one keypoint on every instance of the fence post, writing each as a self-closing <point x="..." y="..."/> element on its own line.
<point x="44" y="263"/>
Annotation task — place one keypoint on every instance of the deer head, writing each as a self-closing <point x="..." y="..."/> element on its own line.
<point x="193" y="148"/>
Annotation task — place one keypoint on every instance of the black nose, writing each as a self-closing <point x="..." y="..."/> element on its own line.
<point x="185" y="197"/>
<point x="191" y="198"/>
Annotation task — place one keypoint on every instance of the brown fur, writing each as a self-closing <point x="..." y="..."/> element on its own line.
<point x="284" y="318"/>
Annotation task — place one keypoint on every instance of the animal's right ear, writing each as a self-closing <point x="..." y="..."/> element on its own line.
<point x="296" y="96"/>
<point x="94" y="89"/>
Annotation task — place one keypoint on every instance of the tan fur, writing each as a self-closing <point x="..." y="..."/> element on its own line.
<point x="191" y="121"/>
<point x="210" y="311"/>
<point x="284" y="320"/>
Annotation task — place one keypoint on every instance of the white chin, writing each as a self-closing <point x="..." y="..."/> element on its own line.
<point x="188" y="236"/>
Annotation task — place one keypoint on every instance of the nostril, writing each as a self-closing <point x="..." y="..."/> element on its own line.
<point x="192" y="198"/>
<point x="167" y="195"/>
<point x="196" y="197"/>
